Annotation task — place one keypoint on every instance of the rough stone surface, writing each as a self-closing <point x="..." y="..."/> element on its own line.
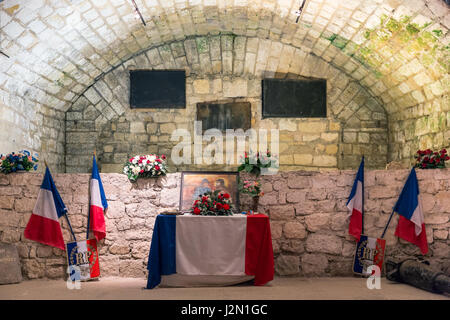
<point x="309" y="238"/>
<point x="9" y="264"/>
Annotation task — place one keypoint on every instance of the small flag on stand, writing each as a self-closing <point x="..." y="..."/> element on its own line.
<point x="355" y="204"/>
<point x="369" y="252"/>
<point x="44" y="226"/>
<point x="411" y="225"/>
<point x="84" y="255"/>
<point x="98" y="205"/>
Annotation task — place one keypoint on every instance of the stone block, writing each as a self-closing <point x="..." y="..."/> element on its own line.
<point x="294" y="230"/>
<point x="313" y="264"/>
<point x="235" y="88"/>
<point x="201" y="86"/>
<point x="312" y="127"/>
<point x="9" y="264"/>
<point x="283" y="212"/>
<point x="287" y="265"/>
<point x="325" y="161"/>
<point x="6" y="202"/>
<point x="137" y="127"/>
<point x="299" y="182"/>
<point x="317" y="221"/>
<point x="295" y="196"/>
<point x="324" y="243"/>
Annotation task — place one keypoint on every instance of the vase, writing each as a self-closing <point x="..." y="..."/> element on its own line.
<point x="255" y="204"/>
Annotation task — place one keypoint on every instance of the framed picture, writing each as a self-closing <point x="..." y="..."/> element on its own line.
<point x="196" y="183"/>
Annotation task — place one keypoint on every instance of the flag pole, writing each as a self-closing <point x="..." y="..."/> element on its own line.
<point x="363" y="194"/>
<point x="392" y="213"/>
<point x="389" y="221"/>
<point x="89" y="209"/>
<point x="65" y="215"/>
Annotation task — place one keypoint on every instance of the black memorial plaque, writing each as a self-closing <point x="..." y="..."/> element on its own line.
<point x="161" y="89"/>
<point x="294" y="98"/>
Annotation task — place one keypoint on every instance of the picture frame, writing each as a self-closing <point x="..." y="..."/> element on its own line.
<point x="195" y="183"/>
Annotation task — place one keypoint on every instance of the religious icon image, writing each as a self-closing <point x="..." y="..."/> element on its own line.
<point x="194" y="184"/>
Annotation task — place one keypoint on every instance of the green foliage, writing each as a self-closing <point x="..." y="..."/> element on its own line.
<point x="412" y="28"/>
<point x="253" y="163"/>
<point x="438" y="33"/>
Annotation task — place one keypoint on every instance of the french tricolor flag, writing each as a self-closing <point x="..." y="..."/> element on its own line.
<point x="411" y="225"/>
<point x="43" y="225"/>
<point x="98" y="204"/>
<point x="355" y="204"/>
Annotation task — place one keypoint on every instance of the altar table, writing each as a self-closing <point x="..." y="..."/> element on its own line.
<point x="188" y="250"/>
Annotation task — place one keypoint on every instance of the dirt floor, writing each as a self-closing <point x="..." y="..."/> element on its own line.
<point x="278" y="289"/>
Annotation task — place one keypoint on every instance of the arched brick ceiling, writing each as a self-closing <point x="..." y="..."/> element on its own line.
<point x="396" y="49"/>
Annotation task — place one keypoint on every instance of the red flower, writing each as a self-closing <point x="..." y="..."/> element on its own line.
<point x="226" y="206"/>
<point x="424" y="165"/>
<point x="196" y="210"/>
<point x="226" y="196"/>
<point x="131" y="159"/>
<point x="219" y="206"/>
<point x="158" y="160"/>
<point x="447" y="158"/>
<point x="204" y="198"/>
<point x="157" y="167"/>
<point x="443" y="151"/>
<point x="142" y="171"/>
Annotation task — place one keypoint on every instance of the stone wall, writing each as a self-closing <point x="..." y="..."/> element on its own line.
<point x="220" y="68"/>
<point x="31" y="125"/>
<point x="306" y="209"/>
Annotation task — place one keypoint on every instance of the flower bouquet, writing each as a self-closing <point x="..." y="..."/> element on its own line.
<point x="213" y="203"/>
<point x="427" y="159"/>
<point x="253" y="189"/>
<point x="252" y="163"/>
<point x="148" y="166"/>
<point x="22" y="160"/>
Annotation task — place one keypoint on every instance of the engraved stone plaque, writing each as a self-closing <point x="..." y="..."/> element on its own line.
<point x="9" y="264"/>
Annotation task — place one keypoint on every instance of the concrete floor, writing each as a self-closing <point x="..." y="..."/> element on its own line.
<point x="278" y="289"/>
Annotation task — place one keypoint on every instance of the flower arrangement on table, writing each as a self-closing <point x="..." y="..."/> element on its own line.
<point x="252" y="163"/>
<point x="213" y="203"/>
<point x="253" y="189"/>
<point x="427" y="159"/>
<point x="21" y="161"/>
<point x="148" y="166"/>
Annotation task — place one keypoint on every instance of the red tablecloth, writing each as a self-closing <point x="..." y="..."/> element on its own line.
<point x="259" y="251"/>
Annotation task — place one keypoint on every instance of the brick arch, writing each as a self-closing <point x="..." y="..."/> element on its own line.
<point x="59" y="48"/>
<point x="220" y="67"/>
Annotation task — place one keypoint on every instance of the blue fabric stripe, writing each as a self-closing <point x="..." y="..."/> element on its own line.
<point x="48" y="184"/>
<point x="96" y="175"/>
<point x="161" y="260"/>
<point x="358" y="266"/>
<point x="408" y="199"/>
<point x="359" y="177"/>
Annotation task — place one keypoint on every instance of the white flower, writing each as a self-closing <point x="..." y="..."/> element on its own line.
<point x="136" y="170"/>
<point x="152" y="158"/>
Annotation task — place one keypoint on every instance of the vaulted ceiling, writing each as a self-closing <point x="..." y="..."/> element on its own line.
<point x="397" y="49"/>
<point x="59" y="47"/>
